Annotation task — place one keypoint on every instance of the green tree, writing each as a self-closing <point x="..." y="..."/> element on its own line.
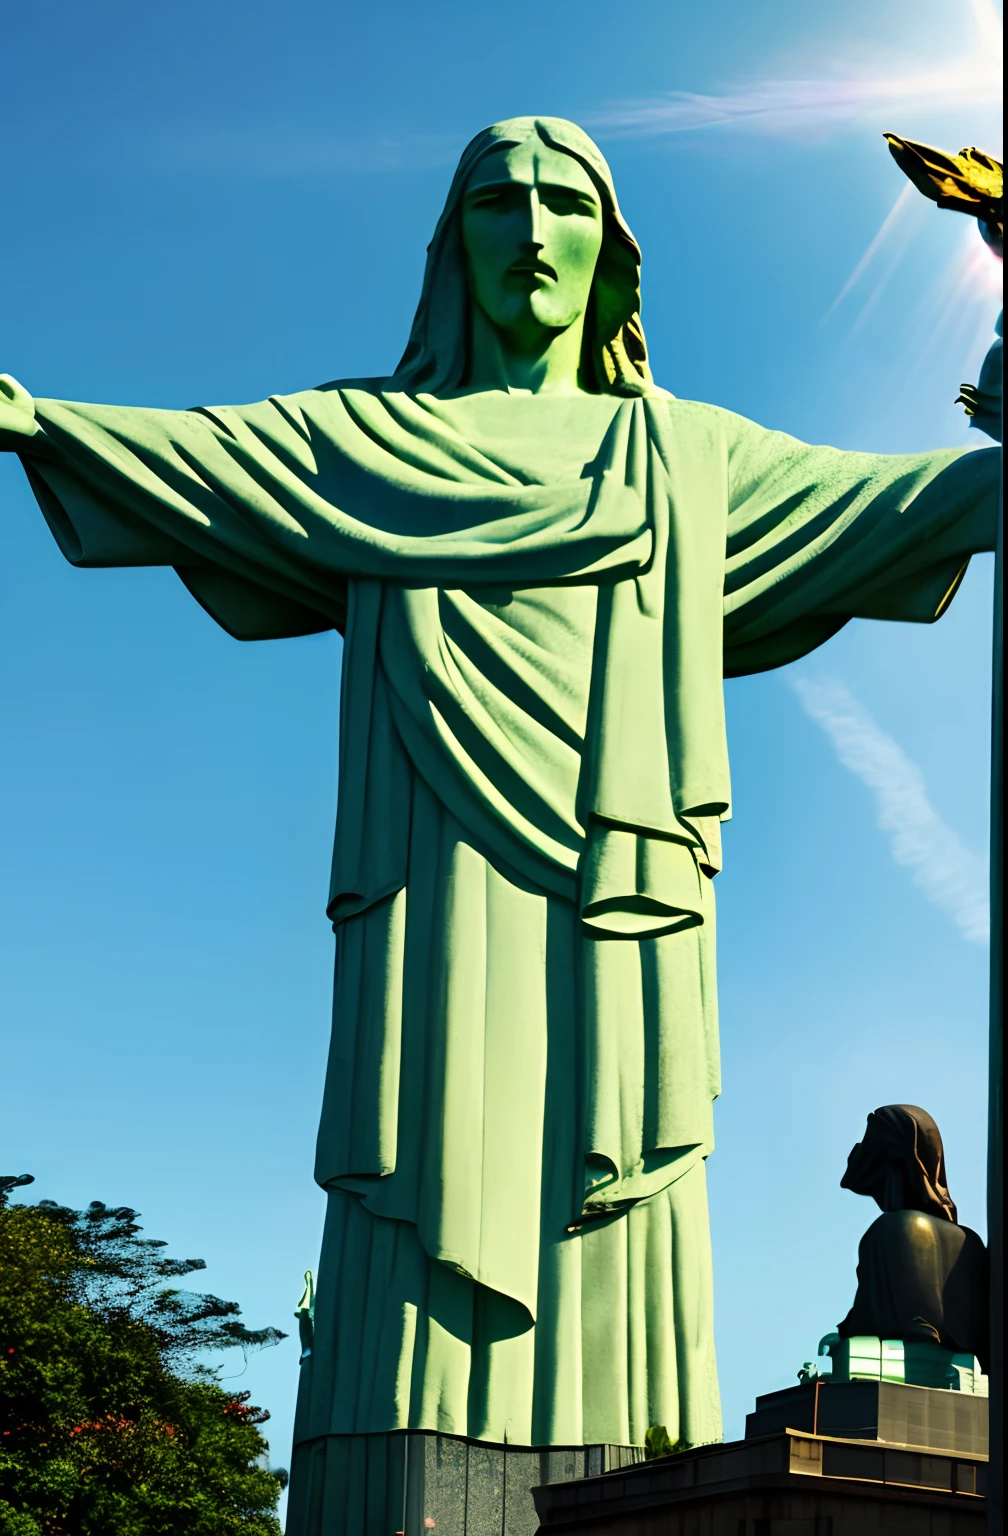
<point x="110" y="1422"/>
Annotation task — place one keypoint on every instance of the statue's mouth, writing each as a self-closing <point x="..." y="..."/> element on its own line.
<point x="533" y="268"/>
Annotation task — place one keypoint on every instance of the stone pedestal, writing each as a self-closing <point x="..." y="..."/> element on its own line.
<point x="877" y="1410"/>
<point x="417" y="1484"/>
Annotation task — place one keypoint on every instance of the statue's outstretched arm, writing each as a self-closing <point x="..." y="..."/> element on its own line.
<point x="818" y="535"/>
<point x="122" y="486"/>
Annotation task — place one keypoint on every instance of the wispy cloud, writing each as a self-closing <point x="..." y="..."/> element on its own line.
<point x="948" y="873"/>
<point x="791" y="106"/>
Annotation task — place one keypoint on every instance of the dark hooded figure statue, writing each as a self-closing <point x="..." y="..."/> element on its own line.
<point x="920" y="1275"/>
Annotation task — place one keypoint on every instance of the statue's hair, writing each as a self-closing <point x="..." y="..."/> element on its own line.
<point x="614" y="359"/>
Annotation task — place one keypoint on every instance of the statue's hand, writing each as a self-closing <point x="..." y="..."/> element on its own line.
<point x="983" y="399"/>
<point x="17" y="414"/>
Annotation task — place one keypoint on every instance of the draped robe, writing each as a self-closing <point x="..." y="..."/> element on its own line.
<point x="533" y="771"/>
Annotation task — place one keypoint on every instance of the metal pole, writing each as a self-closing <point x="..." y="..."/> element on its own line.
<point x="995" y="1110"/>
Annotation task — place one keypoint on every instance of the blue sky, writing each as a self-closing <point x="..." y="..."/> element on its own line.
<point x="214" y="202"/>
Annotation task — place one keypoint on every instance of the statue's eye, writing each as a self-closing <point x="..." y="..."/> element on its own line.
<point x="567" y="200"/>
<point x="492" y="198"/>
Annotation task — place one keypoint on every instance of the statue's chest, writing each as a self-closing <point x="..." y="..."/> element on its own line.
<point x="533" y="646"/>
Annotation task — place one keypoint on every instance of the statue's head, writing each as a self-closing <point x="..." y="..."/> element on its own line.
<point x="531" y="236"/>
<point x="900" y="1163"/>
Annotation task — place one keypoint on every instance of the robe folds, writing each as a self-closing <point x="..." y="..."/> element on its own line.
<point x="533" y="772"/>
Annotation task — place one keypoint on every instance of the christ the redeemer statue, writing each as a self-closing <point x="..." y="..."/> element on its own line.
<point x="543" y="565"/>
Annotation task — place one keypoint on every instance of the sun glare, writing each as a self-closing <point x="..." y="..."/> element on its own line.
<point x="963" y="294"/>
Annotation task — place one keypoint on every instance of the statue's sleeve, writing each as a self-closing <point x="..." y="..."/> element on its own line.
<point x="223" y="496"/>
<point x="817" y="536"/>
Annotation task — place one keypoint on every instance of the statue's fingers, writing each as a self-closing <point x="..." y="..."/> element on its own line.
<point x="17" y="408"/>
<point x="11" y="390"/>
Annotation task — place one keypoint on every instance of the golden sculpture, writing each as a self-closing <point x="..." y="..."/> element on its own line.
<point x="970" y="182"/>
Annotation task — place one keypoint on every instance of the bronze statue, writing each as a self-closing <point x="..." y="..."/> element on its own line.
<point x="921" y="1277"/>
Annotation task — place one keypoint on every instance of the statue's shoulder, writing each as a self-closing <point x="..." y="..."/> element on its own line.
<point x="376" y="386"/>
<point x="694" y="426"/>
<point x="326" y="406"/>
<point x="904" y="1221"/>
<point x="897" y="1229"/>
<point x="684" y="408"/>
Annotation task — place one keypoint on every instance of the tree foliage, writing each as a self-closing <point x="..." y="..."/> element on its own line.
<point x="110" y="1422"/>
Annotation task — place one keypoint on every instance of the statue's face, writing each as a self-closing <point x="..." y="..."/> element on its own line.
<point x="532" y="232"/>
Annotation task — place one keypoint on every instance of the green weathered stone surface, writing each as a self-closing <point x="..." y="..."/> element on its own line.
<point x="543" y="564"/>
<point x="415" y="1482"/>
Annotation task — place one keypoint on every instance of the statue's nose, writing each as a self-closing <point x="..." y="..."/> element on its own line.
<point x="533" y="220"/>
<point x="535" y="208"/>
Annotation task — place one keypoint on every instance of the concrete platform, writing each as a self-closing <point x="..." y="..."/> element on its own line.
<point x="786" y="1484"/>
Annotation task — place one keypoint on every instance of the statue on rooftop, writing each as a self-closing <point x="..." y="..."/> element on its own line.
<point x="920" y="1275"/>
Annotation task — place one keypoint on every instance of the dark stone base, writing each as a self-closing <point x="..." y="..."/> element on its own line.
<point x="925" y="1417"/>
<point x="418" y="1484"/>
<point x="790" y="1484"/>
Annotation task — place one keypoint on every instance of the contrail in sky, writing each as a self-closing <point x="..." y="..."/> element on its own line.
<point x="789" y="106"/>
<point x="948" y="873"/>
